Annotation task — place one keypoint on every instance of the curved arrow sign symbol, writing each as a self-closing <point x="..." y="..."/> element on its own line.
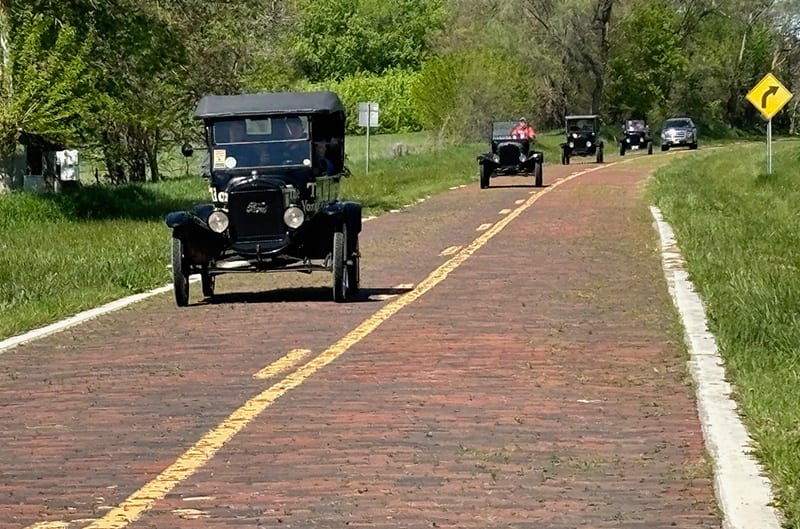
<point x="770" y="91"/>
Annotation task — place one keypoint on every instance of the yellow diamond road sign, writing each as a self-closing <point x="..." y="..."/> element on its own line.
<point x="769" y="96"/>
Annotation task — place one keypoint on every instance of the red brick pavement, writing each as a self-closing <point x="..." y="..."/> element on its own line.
<point x="541" y="385"/>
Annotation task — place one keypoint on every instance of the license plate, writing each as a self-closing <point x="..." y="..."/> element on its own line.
<point x="635" y="147"/>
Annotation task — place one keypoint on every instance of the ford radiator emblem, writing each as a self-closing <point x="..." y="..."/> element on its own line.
<point x="258" y="208"/>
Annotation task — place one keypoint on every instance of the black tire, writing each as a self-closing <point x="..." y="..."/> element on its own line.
<point x="208" y="281"/>
<point x="599" y="156"/>
<point x="693" y="146"/>
<point x="180" y="273"/>
<point x="537" y="174"/>
<point x="622" y="149"/>
<point x="664" y="148"/>
<point x="486" y="175"/>
<point x="338" y="258"/>
<point x="649" y="148"/>
<point x="354" y="268"/>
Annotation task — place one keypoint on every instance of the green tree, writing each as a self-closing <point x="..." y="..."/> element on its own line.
<point x="647" y="58"/>
<point x="338" y="38"/>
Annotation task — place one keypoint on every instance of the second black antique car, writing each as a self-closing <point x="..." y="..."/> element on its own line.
<point x="582" y="138"/>
<point x="274" y="165"/>
<point x="510" y="155"/>
<point x="635" y="136"/>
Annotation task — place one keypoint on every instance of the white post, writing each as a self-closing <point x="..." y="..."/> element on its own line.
<point x="769" y="147"/>
<point x="369" y="125"/>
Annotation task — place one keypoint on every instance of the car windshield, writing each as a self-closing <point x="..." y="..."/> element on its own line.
<point x="580" y="125"/>
<point x="261" y="142"/>
<point x="635" y="125"/>
<point x="677" y="123"/>
<point x="501" y="130"/>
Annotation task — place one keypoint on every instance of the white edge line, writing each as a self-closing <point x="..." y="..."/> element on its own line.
<point x="743" y="493"/>
<point x="81" y="317"/>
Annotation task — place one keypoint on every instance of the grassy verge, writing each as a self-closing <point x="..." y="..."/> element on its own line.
<point x="61" y="254"/>
<point x="739" y="230"/>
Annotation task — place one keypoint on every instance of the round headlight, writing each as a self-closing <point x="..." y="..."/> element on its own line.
<point x="294" y="217"/>
<point x="588" y="144"/>
<point x="574" y="135"/>
<point x="496" y="158"/>
<point x="628" y="140"/>
<point x="218" y="221"/>
<point x="571" y="145"/>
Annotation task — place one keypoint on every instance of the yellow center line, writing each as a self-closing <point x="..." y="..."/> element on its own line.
<point x="142" y="500"/>
<point x="283" y="364"/>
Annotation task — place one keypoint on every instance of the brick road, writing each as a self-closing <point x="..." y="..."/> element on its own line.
<point x="541" y="384"/>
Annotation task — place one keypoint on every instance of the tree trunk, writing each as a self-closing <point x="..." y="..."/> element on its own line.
<point x="151" y="152"/>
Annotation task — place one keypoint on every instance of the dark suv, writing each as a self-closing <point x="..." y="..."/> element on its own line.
<point x="678" y="132"/>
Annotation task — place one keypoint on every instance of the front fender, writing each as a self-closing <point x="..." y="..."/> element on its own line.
<point x="198" y="215"/>
<point x="345" y="211"/>
<point x="486" y="159"/>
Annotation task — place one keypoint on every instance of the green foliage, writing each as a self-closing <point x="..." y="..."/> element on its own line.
<point x="52" y="82"/>
<point x="392" y="92"/>
<point x="341" y="38"/>
<point x="647" y="60"/>
<point x="457" y="95"/>
<point x="739" y="232"/>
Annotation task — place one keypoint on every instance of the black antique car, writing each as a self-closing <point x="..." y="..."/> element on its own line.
<point x="635" y="137"/>
<point x="510" y="155"/>
<point x="582" y="138"/>
<point x="274" y="165"/>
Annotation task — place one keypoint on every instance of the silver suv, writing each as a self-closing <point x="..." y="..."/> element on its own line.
<point x="678" y="132"/>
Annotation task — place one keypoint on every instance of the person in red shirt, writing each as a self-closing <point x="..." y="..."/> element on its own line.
<point x="523" y="131"/>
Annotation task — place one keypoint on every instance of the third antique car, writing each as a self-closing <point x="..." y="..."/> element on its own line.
<point x="635" y="137"/>
<point x="582" y="138"/>
<point x="274" y="165"/>
<point x="511" y="155"/>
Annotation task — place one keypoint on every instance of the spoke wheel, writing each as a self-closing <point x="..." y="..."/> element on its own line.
<point x="339" y="259"/>
<point x="353" y="268"/>
<point x="180" y="273"/>
<point x="208" y="282"/>
<point x="485" y="176"/>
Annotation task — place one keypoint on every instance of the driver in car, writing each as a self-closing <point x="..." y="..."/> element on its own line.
<point x="523" y="131"/>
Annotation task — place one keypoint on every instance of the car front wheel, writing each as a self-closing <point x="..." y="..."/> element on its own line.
<point x="207" y="281"/>
<point x="180" y="273"/>
<point x="486" y="174"/>
<point x="339" y="261"/>
<point x="353" y="267"/>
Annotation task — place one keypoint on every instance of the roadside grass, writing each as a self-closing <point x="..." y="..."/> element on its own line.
<point x="739" y="230"/>
<point x="61" y="254"/>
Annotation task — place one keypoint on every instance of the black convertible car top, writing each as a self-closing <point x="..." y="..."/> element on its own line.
<point x="214" y="106"/>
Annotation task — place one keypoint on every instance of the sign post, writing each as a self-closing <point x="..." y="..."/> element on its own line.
<point x="769" y="96"/>
<point x="368" y="117"/>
